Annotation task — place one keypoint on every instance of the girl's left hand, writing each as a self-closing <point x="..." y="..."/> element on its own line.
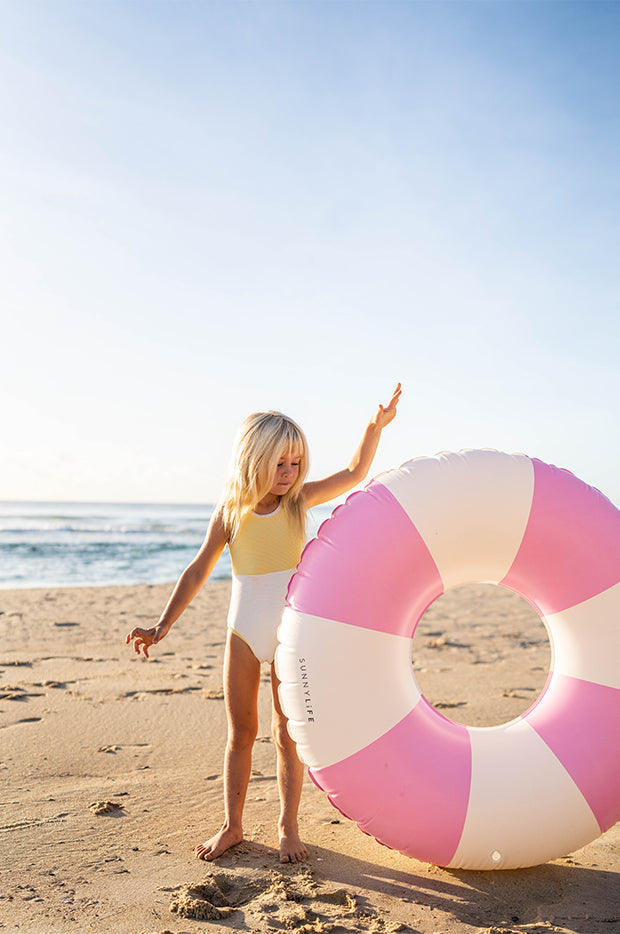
<point x="385" y="415"/>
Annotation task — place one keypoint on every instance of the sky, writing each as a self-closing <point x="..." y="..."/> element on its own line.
<point x="214" y="208"/>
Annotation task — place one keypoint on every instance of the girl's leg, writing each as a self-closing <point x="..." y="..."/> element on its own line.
<point x="241" y="680"/>
<point x="290" y="780"/>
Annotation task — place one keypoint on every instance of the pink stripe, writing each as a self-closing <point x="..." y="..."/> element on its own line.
<point x="410" y="788"/>
<point x="580" y="722"/>
<point x="571" y="546"/>
<point x="369" y="567"/>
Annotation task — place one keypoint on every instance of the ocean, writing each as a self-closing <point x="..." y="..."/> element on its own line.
<point x="96" y="544"/>
<point x="83" y="544"/>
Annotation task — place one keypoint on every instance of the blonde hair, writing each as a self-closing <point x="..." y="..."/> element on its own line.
<point x="262" y="440"/>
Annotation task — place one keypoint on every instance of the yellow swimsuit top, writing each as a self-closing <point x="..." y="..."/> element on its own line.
<point x="265" y="544"/>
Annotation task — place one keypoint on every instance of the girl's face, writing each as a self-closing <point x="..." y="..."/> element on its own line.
<point x="286" y="473"/>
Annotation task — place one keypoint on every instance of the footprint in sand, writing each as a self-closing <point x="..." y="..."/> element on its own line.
<point x="221" y="893"/>
<point x="294" y="901"/>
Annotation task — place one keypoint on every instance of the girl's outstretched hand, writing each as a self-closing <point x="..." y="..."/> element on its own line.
<point x="144" y="638"/>
<point x="385" y="415"/>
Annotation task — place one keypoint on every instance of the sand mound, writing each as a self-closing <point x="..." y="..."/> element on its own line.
<point x="291" y="900"/>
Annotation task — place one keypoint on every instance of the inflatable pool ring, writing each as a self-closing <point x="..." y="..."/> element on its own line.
<point x="508" y="796"/>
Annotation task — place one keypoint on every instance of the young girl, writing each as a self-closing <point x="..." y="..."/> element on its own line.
<point x="261" y="517"/>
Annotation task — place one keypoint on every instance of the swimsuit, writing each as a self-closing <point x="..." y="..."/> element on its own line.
<point x="264" y="554"/>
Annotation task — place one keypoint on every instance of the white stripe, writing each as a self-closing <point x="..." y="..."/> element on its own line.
<point x="471" y="508"/>
<point x="524" y="808"/>
<point x="587" y="639"/>
<point x="342" y="687"/>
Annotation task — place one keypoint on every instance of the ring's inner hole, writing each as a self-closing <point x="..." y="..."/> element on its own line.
<point x="481" y="654"/>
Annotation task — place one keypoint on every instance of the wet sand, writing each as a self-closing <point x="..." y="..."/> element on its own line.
<point x="110" y="774"/>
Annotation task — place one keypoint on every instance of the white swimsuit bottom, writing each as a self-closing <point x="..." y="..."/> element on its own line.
<point x="256" y="605"/>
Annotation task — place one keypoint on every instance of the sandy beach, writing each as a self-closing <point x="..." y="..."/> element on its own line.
<point x="111" y="773"/>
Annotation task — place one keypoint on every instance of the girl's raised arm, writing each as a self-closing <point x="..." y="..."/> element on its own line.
<point x="321" y="491"/>
<point x="190" y="582"/>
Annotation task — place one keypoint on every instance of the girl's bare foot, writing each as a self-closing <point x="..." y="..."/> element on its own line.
<point x="292" y="850"/>
<point x="219" y="843"/>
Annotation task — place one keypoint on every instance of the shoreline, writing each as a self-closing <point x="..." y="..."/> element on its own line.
<point x="83" y="720"/>
<point x="61" y="587"/>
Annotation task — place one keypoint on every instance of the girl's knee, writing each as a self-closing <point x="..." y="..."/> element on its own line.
<point x="242" y="736"/>
<point x="281" y="736"/>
